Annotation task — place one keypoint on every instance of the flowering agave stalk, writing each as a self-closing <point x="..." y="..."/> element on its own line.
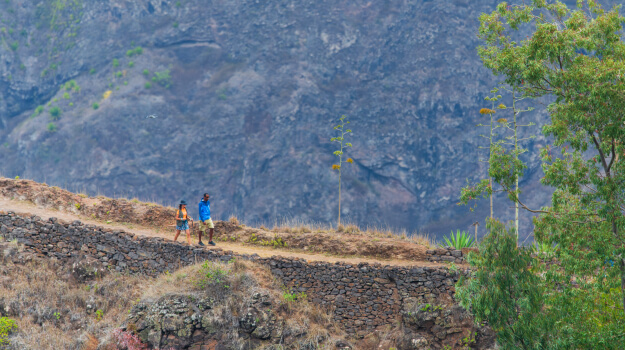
<point x="513" y="141"/>
<point x="484" y="187"/>
<point x="339" y="153"/>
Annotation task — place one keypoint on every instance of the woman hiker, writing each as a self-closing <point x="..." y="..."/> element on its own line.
<point x="182" y="221"/>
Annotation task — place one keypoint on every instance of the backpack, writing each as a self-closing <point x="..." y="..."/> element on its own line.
<point x="181" y="219"/>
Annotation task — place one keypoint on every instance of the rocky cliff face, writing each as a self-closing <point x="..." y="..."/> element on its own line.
<point x="246" y="93"/>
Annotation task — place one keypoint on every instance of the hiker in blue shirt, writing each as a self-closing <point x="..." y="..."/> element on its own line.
<point x="205" y="219"/>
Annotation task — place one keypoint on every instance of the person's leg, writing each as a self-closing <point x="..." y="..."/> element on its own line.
<point x="188" y="236"/>
<point x="202" y="229"/>
<point x="211" y="227"/>
<point x="177" y="234"/>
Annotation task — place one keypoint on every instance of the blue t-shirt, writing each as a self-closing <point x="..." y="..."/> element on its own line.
<point x="205" y="210"/>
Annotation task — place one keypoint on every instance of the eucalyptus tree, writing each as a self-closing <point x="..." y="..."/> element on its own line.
<point x="576" y="58"/>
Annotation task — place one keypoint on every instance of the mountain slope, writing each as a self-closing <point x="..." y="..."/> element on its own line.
<point x="246" y="95"/>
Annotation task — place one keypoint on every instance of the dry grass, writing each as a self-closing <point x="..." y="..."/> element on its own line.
<point x="53" y="312"/>
<point x="68" y="318"/>
<point x="234" y="220"/>
<point x="299" y="226"/>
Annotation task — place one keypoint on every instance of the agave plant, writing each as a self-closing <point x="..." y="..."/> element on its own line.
<point x="459" y="240"/>
<point x="544" y="248"/>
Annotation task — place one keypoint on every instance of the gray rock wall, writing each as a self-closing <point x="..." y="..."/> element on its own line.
<point x="363" y="296"/>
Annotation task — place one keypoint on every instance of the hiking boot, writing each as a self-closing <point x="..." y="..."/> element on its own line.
<point x="200" y="243"/>
<point x="212" y="243"/>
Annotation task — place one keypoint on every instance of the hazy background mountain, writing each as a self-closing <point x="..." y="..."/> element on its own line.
<point x="246" y="93"/>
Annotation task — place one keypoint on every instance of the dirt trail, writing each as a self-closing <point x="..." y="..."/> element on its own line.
<point x="28" y="208"/>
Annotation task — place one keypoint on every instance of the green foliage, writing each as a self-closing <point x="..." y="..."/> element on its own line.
<point x="66" y="96"/>
<point x="276" y="242"/>
<point x="162" y="78"/>
<point x="574" y="57"/>
<point x="339" y="153"/>
<point x="148" y="85"/>
<point x="70" y="85"/>
<point x="55" y="113"/>
<point x="92" y="71"/>
<point x="146" y="72"/>
<point x="293" y="297"/>
<point x="211" y="274"/>
<point x="51" y="127"/>
<point x="503" y="291"/>
<point x="15" y="45"/>
<point x="131" y="64"/>
<point x="99" y="314"/>
<point x="115" y="63"/>
<point x="222" y="93"/>
<point x="544" y="249"/>
<point x="136" y="51"/>
<point x="37" y="111"/>
<point x="7" y="325"/>
<point x="459" y="240"/>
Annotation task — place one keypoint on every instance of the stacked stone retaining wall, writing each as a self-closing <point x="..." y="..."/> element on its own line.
<point x="363" y="296"/>
<point x="450" y="255"/>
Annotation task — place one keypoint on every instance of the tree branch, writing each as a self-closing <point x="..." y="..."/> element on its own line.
<point x="605" y="165"/>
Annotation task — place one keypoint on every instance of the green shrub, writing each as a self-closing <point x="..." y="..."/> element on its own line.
<point x="66" y="96"/>
<point x="211" y="274"/>
<point x="136" y="51"/>
<point x="162" y="78"/>
<point x="7" y="325"/>
<point x="459" y="240"/>
<point x="115" y="63"/>
<point x="95" y="105"/>
<point x="92" y="71"/>
<point x="119" y="74"/>
<point x="70" y="85"/>
<point x="148" y="85"/>
<point x="146" y="72"/>
<point x="51" y="127"/>
<point x="37" y="111"/>
<point x="131" y="64"/>
<point x="55" y="113"/>
<point x="291" y="297"/>
<point x="15" y="45"/>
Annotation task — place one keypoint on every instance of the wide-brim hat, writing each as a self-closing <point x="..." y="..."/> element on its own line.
<point x="183" y="202"/>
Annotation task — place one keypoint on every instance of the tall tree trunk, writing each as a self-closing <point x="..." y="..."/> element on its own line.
<point x="516" y="176"/>
<point x="623" y="280"/>
<point x="490" y="154"/>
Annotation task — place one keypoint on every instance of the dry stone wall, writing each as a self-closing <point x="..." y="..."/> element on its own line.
<point x="450" y="255"/>
<point x="363" y="296"/>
